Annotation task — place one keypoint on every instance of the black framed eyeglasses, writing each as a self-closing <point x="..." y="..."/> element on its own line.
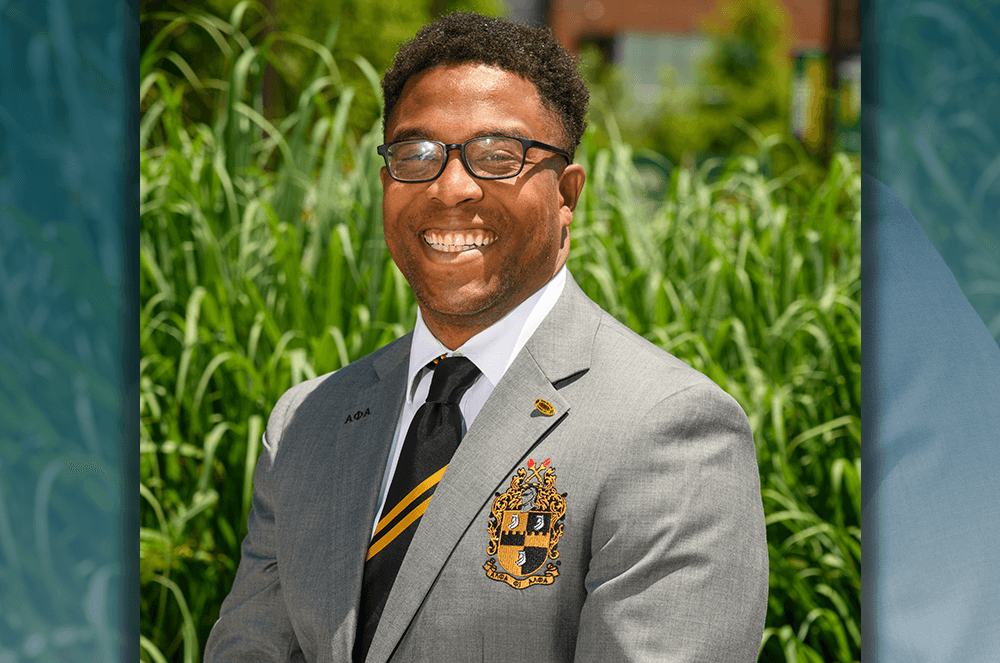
<point x="485" y="157"/>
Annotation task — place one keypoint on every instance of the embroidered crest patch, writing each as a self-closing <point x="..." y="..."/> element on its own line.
<point x="525" y="527"/>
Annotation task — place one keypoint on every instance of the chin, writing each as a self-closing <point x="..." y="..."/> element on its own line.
<point x="457" y="308"/>
<point x="463" y="309"/>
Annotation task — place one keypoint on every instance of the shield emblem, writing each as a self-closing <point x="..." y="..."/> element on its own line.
<point x="525" y="526"/>
<point x="524" y="541"/>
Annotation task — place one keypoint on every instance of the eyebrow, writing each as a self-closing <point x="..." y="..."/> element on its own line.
<point x="421" y="132"/>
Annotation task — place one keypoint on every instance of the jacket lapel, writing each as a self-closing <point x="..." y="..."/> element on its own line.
<point x="356" y="498"/>
<point x="504" y="432"/>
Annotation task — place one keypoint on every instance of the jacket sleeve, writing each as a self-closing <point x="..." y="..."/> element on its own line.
<point x="679" y="569"/>
<point x="253" y="623"/>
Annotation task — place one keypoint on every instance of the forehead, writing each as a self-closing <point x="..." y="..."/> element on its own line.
<point x="469" y="99"/>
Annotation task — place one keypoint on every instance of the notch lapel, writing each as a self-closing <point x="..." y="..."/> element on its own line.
<point x="360" y="456"/>
<point x="504" y="432"/>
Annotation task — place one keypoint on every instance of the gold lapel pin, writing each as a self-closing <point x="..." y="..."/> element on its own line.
<point x="544" y="407"/>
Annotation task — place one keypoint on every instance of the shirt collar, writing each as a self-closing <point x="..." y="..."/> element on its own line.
<point x="493" y="349"/>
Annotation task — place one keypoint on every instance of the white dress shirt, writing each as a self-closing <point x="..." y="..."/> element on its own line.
<point x="491" y="350"/>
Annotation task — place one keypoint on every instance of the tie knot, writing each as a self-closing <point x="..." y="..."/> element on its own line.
<point x="452" y="378"/>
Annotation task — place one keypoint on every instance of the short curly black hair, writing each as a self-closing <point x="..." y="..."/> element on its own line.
<point x="532" y="53"/>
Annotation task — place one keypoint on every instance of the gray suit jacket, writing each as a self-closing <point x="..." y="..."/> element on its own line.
<point x="662" y="555"/>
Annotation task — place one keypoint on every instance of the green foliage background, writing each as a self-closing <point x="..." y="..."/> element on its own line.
<point x="740" y="96"/>
<point x="262" y="264"/>
<point x="745" y="77"/>
<point x="288" y="38"/>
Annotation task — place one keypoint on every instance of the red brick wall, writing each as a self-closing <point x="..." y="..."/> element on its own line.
<point x="806" y="19"/>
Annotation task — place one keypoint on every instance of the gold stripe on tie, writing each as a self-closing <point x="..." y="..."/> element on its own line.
<point x="395" y="531"/>
<point x="406" y="501"/>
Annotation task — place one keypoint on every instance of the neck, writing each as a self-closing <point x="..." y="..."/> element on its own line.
<point x="453" y="330"/>
<point x="450" y="334"/>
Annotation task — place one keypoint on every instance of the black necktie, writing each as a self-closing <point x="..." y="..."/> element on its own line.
<point x="430" y="442"/>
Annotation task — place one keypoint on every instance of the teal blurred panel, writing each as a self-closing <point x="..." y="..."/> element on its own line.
<point x="64" y="326"/>
<point x="932" y="449"/>
<point x="931" y="310"/>
<point x="938" y="135"/>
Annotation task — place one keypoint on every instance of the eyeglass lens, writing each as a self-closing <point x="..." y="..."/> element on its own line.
<point x="488" y="157"/>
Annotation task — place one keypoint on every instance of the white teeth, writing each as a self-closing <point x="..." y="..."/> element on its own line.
<point x="452" y="241"/>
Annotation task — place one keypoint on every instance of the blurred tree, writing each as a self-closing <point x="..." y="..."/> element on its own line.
<point x="743" y="82"/>
<point x="607" y="96"/>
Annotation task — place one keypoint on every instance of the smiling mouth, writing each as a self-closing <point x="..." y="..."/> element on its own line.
<point x="454" y="241"/>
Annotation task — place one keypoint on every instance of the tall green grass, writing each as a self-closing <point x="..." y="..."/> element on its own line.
<point x="262" y="264"/>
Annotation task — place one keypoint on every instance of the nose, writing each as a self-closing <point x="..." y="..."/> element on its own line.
<point x="455" y="185"/>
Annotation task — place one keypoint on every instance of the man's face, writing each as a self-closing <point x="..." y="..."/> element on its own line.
<point x="474" y="249"/>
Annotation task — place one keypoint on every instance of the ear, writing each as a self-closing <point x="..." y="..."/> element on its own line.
<point x="383" y="173"/>
<point x="570" y="186"/>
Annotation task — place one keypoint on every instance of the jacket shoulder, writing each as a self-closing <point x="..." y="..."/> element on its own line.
<point x="358" y="373"/>
<point x="617" y="345"/>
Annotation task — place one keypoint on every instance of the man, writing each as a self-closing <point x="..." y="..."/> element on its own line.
<point x="604" y="502"/>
